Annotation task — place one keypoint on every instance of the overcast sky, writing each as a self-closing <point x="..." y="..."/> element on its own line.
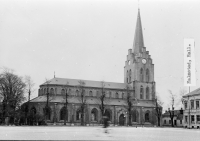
<point x="89" y="39"/>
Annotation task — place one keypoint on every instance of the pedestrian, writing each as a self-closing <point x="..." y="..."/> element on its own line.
<point x="106" y="124"/>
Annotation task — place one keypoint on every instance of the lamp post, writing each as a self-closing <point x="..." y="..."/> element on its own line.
<point x="126" y="116"/>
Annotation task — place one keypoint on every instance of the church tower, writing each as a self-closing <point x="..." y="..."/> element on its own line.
<point x="139" y="68"/>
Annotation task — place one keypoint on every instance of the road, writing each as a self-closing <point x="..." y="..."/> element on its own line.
<point x="97" y="133"/>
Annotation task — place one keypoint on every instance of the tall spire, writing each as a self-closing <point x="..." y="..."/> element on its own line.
<point x="138" y="39"/>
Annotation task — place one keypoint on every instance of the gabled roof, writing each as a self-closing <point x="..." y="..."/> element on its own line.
<point x="138" y="43"/>
<point x="195" y="92"/>
<point x="88" y="83"/>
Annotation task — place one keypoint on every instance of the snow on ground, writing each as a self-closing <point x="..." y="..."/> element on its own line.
<point x="97" y="133"/>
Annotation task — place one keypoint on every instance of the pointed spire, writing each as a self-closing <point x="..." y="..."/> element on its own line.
<point x="54" y="74"/>
<point x="138" y="39"/>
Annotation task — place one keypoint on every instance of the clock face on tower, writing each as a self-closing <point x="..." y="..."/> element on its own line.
<point x="144" y="61"/>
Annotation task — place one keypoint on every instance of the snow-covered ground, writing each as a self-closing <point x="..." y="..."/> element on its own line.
<point x="97" y="133"/>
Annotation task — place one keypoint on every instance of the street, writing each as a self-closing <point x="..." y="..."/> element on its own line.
<point x="97" y="133"/>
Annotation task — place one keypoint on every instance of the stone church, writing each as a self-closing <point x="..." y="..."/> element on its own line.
<point x="138" y="76"/>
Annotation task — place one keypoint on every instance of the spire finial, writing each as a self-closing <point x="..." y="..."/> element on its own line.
<point x="138" y="5"/>
<point x="54" y="74"/>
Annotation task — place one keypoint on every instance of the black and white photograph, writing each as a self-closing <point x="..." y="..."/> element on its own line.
<point x="100" y="70"/>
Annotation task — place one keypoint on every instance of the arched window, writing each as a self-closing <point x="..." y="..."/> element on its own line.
<point x="78" y="114"/>
<point x="69" y="92"/>
<point x="41" y="91"/>
<point x="47" y="111"/>
<point x="33" y="111"/>
<point x="134" y="92"/>
<point x="135" y="116"/>
<point x="108" y="113"/>
<point x="63" y="91"/>
<point x="62" y="114"/>
<point x="123" y="96"/>
<point x="77" y="93"/>
<point x="141" y="92"/>
<point x="44" y="90"/>
<point x="147" y="75"/>
<point x="55" y="90"/>
<point x="97" y="93"/>
<point x="51" y="91"/>
<point x="117" y="95"/>
<point x="94" y="114"/>
<point x="147" y="116"/>
<point x="90" y="93"/>
<point x="129" y="76"/>
<point x="83" y="92"/>
<point x="141" y="74"/>
<point x="110" y="94"/>
<point x="147" y="93"/>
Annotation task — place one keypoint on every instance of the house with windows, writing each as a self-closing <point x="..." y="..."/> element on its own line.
<point x="177" y="120"/>
<point x="191" y="112"/>
<point x="138" y="77"/>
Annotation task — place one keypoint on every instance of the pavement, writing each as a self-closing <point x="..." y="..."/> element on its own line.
<point x="97" y="133"/>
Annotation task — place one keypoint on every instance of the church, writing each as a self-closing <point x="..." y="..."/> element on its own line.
<point x="138" y="82"/>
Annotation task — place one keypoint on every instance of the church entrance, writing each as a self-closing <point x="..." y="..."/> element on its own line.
<point x="122" y="120"/>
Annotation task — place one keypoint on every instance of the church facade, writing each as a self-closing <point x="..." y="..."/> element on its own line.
<point x="138" y="82"/>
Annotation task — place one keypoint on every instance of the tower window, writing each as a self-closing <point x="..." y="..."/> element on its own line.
<point x="129" y="76"/>
<point x="141" y="92"/>
<point x="147" y="93"/>
<point x="117" y="95"/>
<point x="129" y="62"/>
<point x="110" y="94"/>
<point x="90" y="94"/>
<point x="134" y="92"/>
<point x="147" y="75"/>
<point x="141" y="74"/>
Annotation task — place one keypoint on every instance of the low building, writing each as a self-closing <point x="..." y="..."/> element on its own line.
<point x="191" y="114"/>
<point x="177" y="120"/>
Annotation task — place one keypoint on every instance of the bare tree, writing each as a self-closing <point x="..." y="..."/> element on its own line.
<point x="129" y="103"/>
<point x="81" y="88"/>
<point x="158" y="108"/>
<point x="171" y="112"/>
<point x="47" y="82"/>
<point x="66" y="101"/>
<point x="12" y="89"/>
<point x="102" y="99"/>
<point x="30" y="90"/>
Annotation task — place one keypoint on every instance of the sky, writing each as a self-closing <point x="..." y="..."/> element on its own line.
<point x="89" y="39"/>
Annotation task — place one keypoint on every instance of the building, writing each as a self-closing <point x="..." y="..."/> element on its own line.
<point x="191" y="112"/>
<point x="138" y="76"/>
<point x="177" y="120"/>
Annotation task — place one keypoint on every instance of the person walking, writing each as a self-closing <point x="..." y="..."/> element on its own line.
<point x="106" y="124"/>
